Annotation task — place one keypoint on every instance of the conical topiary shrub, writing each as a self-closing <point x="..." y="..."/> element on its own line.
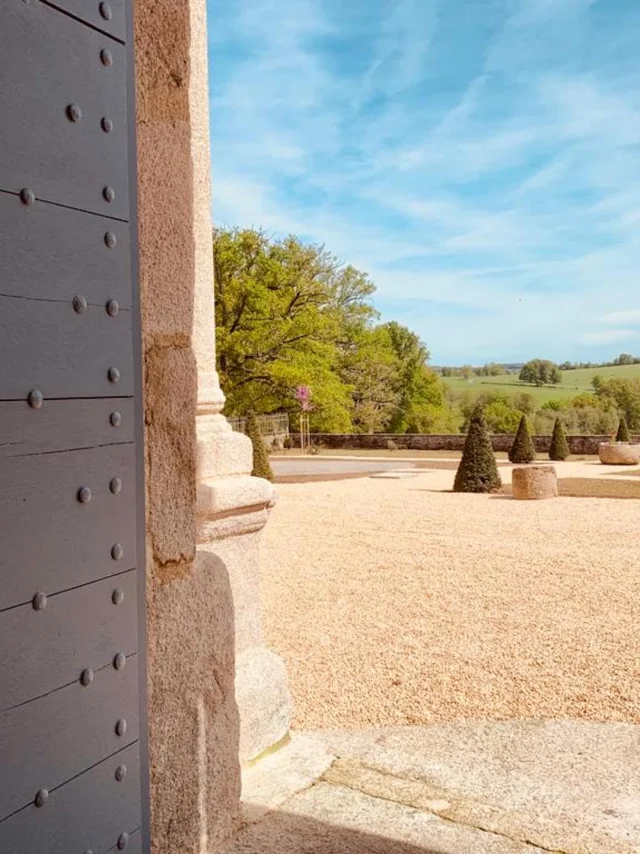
<point x="559" y="448"/>
<point x="623" y="431"/>
<point x="522" y="450"/>
<point x="478" y="471"/>
<point x="261" y="465"/>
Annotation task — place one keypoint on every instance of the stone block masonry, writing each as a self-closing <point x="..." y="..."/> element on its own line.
<point x="217" y="697"/>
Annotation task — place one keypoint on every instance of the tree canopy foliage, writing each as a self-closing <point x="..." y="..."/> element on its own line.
<point x="622" y="359"/>
<point x="540" y="372"/>
<point x="622" y="394"/>
<point x="490" y="369"/>
<point x="290" y="314"/>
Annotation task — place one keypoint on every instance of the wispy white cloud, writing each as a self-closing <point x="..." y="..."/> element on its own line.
<point x="481" y="157"/>
<point x="609" y="336"/>
<point x="400" y="48"/>
<point x="631" y="316"/>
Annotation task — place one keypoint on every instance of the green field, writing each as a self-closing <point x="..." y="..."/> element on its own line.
<point x="573" y="382"/>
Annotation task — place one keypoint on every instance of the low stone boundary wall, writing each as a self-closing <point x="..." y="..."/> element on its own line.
<point x="578" y="445"/>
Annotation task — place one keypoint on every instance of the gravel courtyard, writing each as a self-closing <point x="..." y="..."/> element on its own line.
<point x="397" y="602"/>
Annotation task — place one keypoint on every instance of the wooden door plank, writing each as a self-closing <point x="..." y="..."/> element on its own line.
<point x="51" y="71"/>
<point x="54" y="253"/>
<point x="78" y="630"/>
<point x="73" y="355"/>
<point x="66" y="732"/>
<point x="64" y="425"/>
<point x="51" y="540"/>
<point x="87" y="814"/>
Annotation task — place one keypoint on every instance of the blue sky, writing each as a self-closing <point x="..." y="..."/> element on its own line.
<point x="480" y="159"/>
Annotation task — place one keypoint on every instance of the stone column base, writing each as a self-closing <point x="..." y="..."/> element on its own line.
<point x="263" y="699"/>
<point x="232" y="509"/>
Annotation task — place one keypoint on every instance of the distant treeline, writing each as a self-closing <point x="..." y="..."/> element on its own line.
<point x="494" y="369"/>
<point x="491" y="369"/>
<point x="622" y="359"/>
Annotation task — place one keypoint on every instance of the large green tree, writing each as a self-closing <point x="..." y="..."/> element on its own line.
<point x="421" y="403"/>
<point x="369" y="369"/>
<point x="281" y="306"/>
<point x="540" y="372"/>
<point x="290" y="314"/>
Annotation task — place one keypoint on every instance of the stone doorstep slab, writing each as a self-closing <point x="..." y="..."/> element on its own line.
<point x="521" y="787"/>
<point x="529" y="830"/>
<point x="323" y="818"/>
<point x="569" y="785"/>
<point x="355" y="809"/>
<point x="329" y="819"/>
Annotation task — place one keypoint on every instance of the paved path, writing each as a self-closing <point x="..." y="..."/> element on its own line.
<point x="301" y="466"/>
<point x="520" y="787"/>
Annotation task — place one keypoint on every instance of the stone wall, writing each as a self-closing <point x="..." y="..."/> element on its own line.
<point x="217" y="697"/>
<point x="579" y="445"/>
<point x="193" y="716"/>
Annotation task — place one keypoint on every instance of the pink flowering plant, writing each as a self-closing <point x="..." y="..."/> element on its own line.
<point x="303" y="395"/>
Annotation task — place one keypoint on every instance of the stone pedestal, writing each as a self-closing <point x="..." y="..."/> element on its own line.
<point x="619" y="454"/>
<point x="532" y="483"/>
<point x="232" y="509"/>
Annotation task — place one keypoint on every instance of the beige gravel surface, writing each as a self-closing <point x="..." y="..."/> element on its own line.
<point x="397" y="602"/>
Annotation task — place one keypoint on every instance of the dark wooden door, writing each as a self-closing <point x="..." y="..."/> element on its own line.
<point x="72" y="724"/>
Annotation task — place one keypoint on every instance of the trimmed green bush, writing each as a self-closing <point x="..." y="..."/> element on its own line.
<point x="522" y="450"/>
<point x="623" y="431"/>
<point x="559" y="448"/>
<point x="261" y="465"/>
<point x="478" y="471"/>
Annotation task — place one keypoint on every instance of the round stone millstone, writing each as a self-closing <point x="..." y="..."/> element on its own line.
<point x="533" y="483"/>
<point x="619" y="454"/>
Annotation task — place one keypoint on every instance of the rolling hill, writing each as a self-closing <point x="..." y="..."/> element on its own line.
<point x="573" y="382"/>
